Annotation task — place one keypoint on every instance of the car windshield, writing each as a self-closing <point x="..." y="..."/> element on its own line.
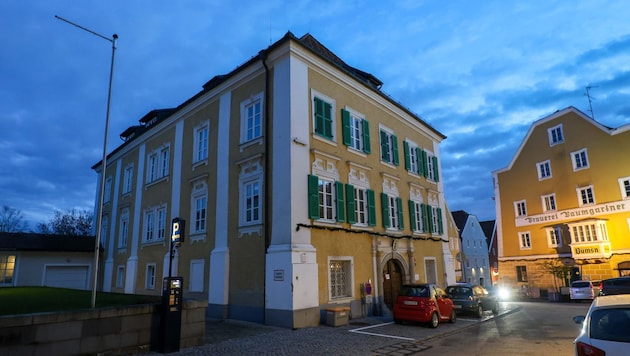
<point x="459" y="291"/>
<point x="581" y="284"/>
<point x="414" y="291"/>
<point x="611" y="324"/>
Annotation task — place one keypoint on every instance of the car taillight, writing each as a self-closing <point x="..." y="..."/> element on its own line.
<point x="588" y="350"/>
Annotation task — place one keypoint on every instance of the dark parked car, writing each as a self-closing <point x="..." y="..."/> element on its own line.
<point x="425" y="303"/>
<point x="612" y="286"/>
<point x="473" y="299"/>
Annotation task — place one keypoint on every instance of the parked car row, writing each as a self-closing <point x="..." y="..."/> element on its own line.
<point x="428" y="303"/>
<point x="588" y="290"/>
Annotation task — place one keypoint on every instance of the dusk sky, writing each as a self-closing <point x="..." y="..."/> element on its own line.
<point x="480" y="72"/>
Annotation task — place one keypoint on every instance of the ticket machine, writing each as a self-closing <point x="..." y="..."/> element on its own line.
<point x="171" y="314"/>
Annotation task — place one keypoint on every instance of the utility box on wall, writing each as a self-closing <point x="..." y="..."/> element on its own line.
<point x="337" y="316"/>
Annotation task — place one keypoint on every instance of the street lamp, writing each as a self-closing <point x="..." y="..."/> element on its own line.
<point x="101" y="198"/>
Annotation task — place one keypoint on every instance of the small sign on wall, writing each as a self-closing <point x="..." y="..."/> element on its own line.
<point x="278" y="275"/>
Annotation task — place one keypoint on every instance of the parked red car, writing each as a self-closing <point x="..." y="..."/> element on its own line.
<point x="424" y="303"/>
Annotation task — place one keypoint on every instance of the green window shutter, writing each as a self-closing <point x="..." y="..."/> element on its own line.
<point x="425" y="167"/>
<point x="313" y="197"/>
<point x="371" y="201"/>
<point x="350" y="204"/>
<point x="328" y="120"/>
<point x="425" y="217"/>
<point x="341" y="202"/>
<point x="440" y="225"/>
<point x="407" y="156"/>
<point x="345" y="123"/>
<point x="385" y="210"/>
<point x="430" y="218"/>
<point x="419" y="153"/>
<point x="399" y="206"/>
<point x="435" y="169"/>
<point x="384" y="146"/>
<point x="395" y="149"/>
<point x="366" y="136"/>
<point x="412" y="214"/>
<point x="318" y="106"/>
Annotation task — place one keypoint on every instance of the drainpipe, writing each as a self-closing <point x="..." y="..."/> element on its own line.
<point x="267" y="177"/>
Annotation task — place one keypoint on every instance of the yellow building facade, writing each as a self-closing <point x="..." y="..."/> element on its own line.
<point x="302" y="185"/>
<point x="563" y="204"/>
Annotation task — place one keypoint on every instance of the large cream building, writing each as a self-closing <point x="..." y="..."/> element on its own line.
<point x="563" y="203"/>
<point x="302" y="186"/>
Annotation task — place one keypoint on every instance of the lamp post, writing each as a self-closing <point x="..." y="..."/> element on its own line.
<point x="101" y="198"/>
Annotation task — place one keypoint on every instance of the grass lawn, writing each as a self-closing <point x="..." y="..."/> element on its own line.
<point x="26" y="300"/>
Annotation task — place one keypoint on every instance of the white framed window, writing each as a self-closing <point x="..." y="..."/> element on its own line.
<point x="356" y="130"/>
<point x="149" y="282"/>
<point x="323" y="116"/>
<point x="154" y="225"/>
<point x="326" y="194"/>
<point x="361" y="211"/>
<point x="389" y="146"/>
<point x="392" y="211"/>
<point x="158" y="164"/>
<point x="413" y="157"/>
<point x="556" y="135"/>
<point x="128" y="179"/>
<point x="520" y="208"/>
<point x="326" y="199"/>
<point x="361" y="207"/>
<point x="104" y="224"/>
<point x="579" y="159"/>
<point x="544" y="170"/>
<point x="524" y="240"/>
<point x="436" y="220"/>
<point x="624" y="187"/>
<point x="251" y="118"/>
<point x="549" y="202"/>
<point x="585" y="195"/>
<point x="416" y="214"/>
<point x="340" y="277"/>
<point x="120" y="277"/>
<point x="124" y="228"/>
<point x="252" y="201"/>
<point x="554" y="237"/>
<point x="432" y="170"/>
<point x="198" y="207"/>
<point x="200" y="152"/>
<point x="108" y="190"/>
<point x="588" y="231"/>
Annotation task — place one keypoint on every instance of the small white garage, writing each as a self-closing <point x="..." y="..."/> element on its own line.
<point x="75" y="277"/>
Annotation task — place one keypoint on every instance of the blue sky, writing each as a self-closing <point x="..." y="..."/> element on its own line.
<point x="478" y="71"/>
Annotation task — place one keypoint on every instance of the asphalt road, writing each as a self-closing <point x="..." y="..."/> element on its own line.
<point x="522" y="328"/>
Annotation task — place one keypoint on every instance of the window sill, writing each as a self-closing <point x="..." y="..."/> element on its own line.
<point x="341" y="300"/>
<point x="321" y="138"/>
<point x="197" y="237"/>
<point x="250" y="230"/>
<point x="252" y="142"/>
<point x="328" y="223"/>
<point x="159" y="180"/>
<point x="198" y="164"/>
<point x="357" y="152"/>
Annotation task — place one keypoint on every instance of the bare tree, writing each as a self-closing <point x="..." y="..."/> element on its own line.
<point x="71" y="223"/>
<point x="12" y="220"/>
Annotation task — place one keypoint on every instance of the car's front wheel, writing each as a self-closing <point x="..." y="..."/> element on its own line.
<point x="479" y="311"/>
<point x="434" y="320"/>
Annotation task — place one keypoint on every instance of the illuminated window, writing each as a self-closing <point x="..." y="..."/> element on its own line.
<point x="554" y="237"/>
<point x="588" y="231"/>
<point x="7" y="269"/>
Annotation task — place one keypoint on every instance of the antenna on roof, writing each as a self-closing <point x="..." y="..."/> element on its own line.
<point x="590" y="100"/>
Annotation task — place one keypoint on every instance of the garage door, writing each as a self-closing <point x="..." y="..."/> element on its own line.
<point x="75" y="277"/>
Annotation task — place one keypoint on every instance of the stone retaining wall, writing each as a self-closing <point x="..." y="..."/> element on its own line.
<point x="109" y="331"/>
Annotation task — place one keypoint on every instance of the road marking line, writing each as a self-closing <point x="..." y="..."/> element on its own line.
<point x="360" y="331"/>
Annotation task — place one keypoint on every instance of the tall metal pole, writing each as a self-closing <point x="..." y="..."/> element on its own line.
<point x="101" y="198"/>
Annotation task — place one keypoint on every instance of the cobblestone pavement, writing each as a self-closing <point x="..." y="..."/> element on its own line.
<point x="365" y="336"/>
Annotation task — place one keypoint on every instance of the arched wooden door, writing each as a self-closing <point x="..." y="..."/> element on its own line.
<point x="392" y="281"/>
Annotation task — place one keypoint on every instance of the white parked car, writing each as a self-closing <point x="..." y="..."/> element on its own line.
<point x="581" y="290"/>
<point x="605" y="328"/>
